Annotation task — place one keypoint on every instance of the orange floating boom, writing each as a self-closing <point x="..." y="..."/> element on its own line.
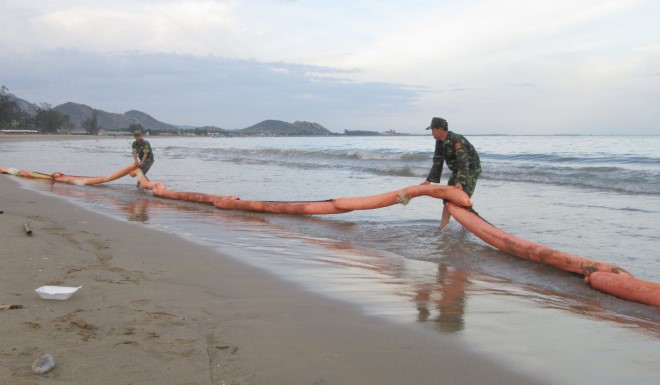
<point x="24" y="173"/>
<point x="91" y="180"/>
<point x="71" y="179"/>
<point x="344" y="205"/>
<point x="403" y="196"/>
<point x="331" y="206"/>
<point x="626" y="287"/>
<point x="160" y="190"/>
<point x="296" y="208"/>
<point x="603" y="277"/>
<point x="528" y="250"/>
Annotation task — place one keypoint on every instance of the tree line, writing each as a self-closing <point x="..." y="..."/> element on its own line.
<point x="45" y="121"/>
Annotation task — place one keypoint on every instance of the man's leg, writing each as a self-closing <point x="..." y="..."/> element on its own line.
<point x="445" y="217"/>
<point x="146" y="165"/>
<point x="445" y="212"/>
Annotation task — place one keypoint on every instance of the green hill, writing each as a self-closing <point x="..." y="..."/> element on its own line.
<point x="79" y="112"/>
<point x="280" y="128"/>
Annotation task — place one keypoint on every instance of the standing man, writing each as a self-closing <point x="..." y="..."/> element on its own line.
<point x="142" y="154"/>
<point x="461" y="157"/>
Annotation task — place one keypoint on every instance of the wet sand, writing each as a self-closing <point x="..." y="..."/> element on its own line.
<point x="155" y="309"/>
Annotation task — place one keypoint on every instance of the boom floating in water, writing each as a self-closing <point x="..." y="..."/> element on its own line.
<point x="71" y="179"/>
<point x="604" y="277"/>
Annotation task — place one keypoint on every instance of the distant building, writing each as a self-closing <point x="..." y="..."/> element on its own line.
<point x="19" y="131"/>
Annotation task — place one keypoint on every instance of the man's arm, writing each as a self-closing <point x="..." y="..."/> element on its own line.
<point x="135" y="154"/>
<point x="462" y="163"/>
<point x="145" y="151"/>
<point x="438" y="163"/>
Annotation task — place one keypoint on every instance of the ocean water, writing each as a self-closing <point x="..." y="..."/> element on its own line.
<point x="595" y="196"/>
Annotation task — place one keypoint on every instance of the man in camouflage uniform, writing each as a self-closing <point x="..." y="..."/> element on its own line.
<point x="142" y="154"/>
<point x="461" y="158"/>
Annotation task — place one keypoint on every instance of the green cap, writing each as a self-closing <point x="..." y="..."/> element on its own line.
<point x="437" y="122"/>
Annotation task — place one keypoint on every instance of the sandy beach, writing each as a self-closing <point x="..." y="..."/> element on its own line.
<point x="155" y="309"/>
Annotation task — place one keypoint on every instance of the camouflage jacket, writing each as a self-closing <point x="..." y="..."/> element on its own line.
<point x="143" y="147"/>
<point x="460" y="156"/>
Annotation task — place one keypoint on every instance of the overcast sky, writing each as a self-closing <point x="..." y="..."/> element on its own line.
<point x="487" y="66"/>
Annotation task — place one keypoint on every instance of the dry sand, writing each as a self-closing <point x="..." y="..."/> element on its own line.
<point x="155" y="309"/>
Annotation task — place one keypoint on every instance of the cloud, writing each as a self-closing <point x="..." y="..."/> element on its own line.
<point x="187" y="89"/>
<point x="493" y="66"/>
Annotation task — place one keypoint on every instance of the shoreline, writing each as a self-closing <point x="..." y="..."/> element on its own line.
<point x="54" y="137"/>
<point x="157" y="309"/>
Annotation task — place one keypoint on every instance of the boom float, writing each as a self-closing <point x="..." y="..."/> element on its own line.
<point x="601" y="276"/>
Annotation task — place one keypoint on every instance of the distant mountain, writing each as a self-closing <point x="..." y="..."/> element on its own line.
<point x="25" y="106"/>
<point x="280" y="128"/>
<point x="79" y="112"/>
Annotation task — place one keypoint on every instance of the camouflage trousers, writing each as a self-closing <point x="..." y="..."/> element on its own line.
<point x="471" y="182"/>
<point x="146" y="165"/>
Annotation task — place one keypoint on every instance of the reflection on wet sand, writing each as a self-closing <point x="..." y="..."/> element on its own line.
<point x="137" y="211"/>
<point x="447" y="295"/>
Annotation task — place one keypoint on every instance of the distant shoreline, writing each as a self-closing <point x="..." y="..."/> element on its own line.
<point x="49" y="137"/>
<point x="55" y="137"/>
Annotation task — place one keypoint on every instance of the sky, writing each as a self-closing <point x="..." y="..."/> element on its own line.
<point x="487" y="66"/>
